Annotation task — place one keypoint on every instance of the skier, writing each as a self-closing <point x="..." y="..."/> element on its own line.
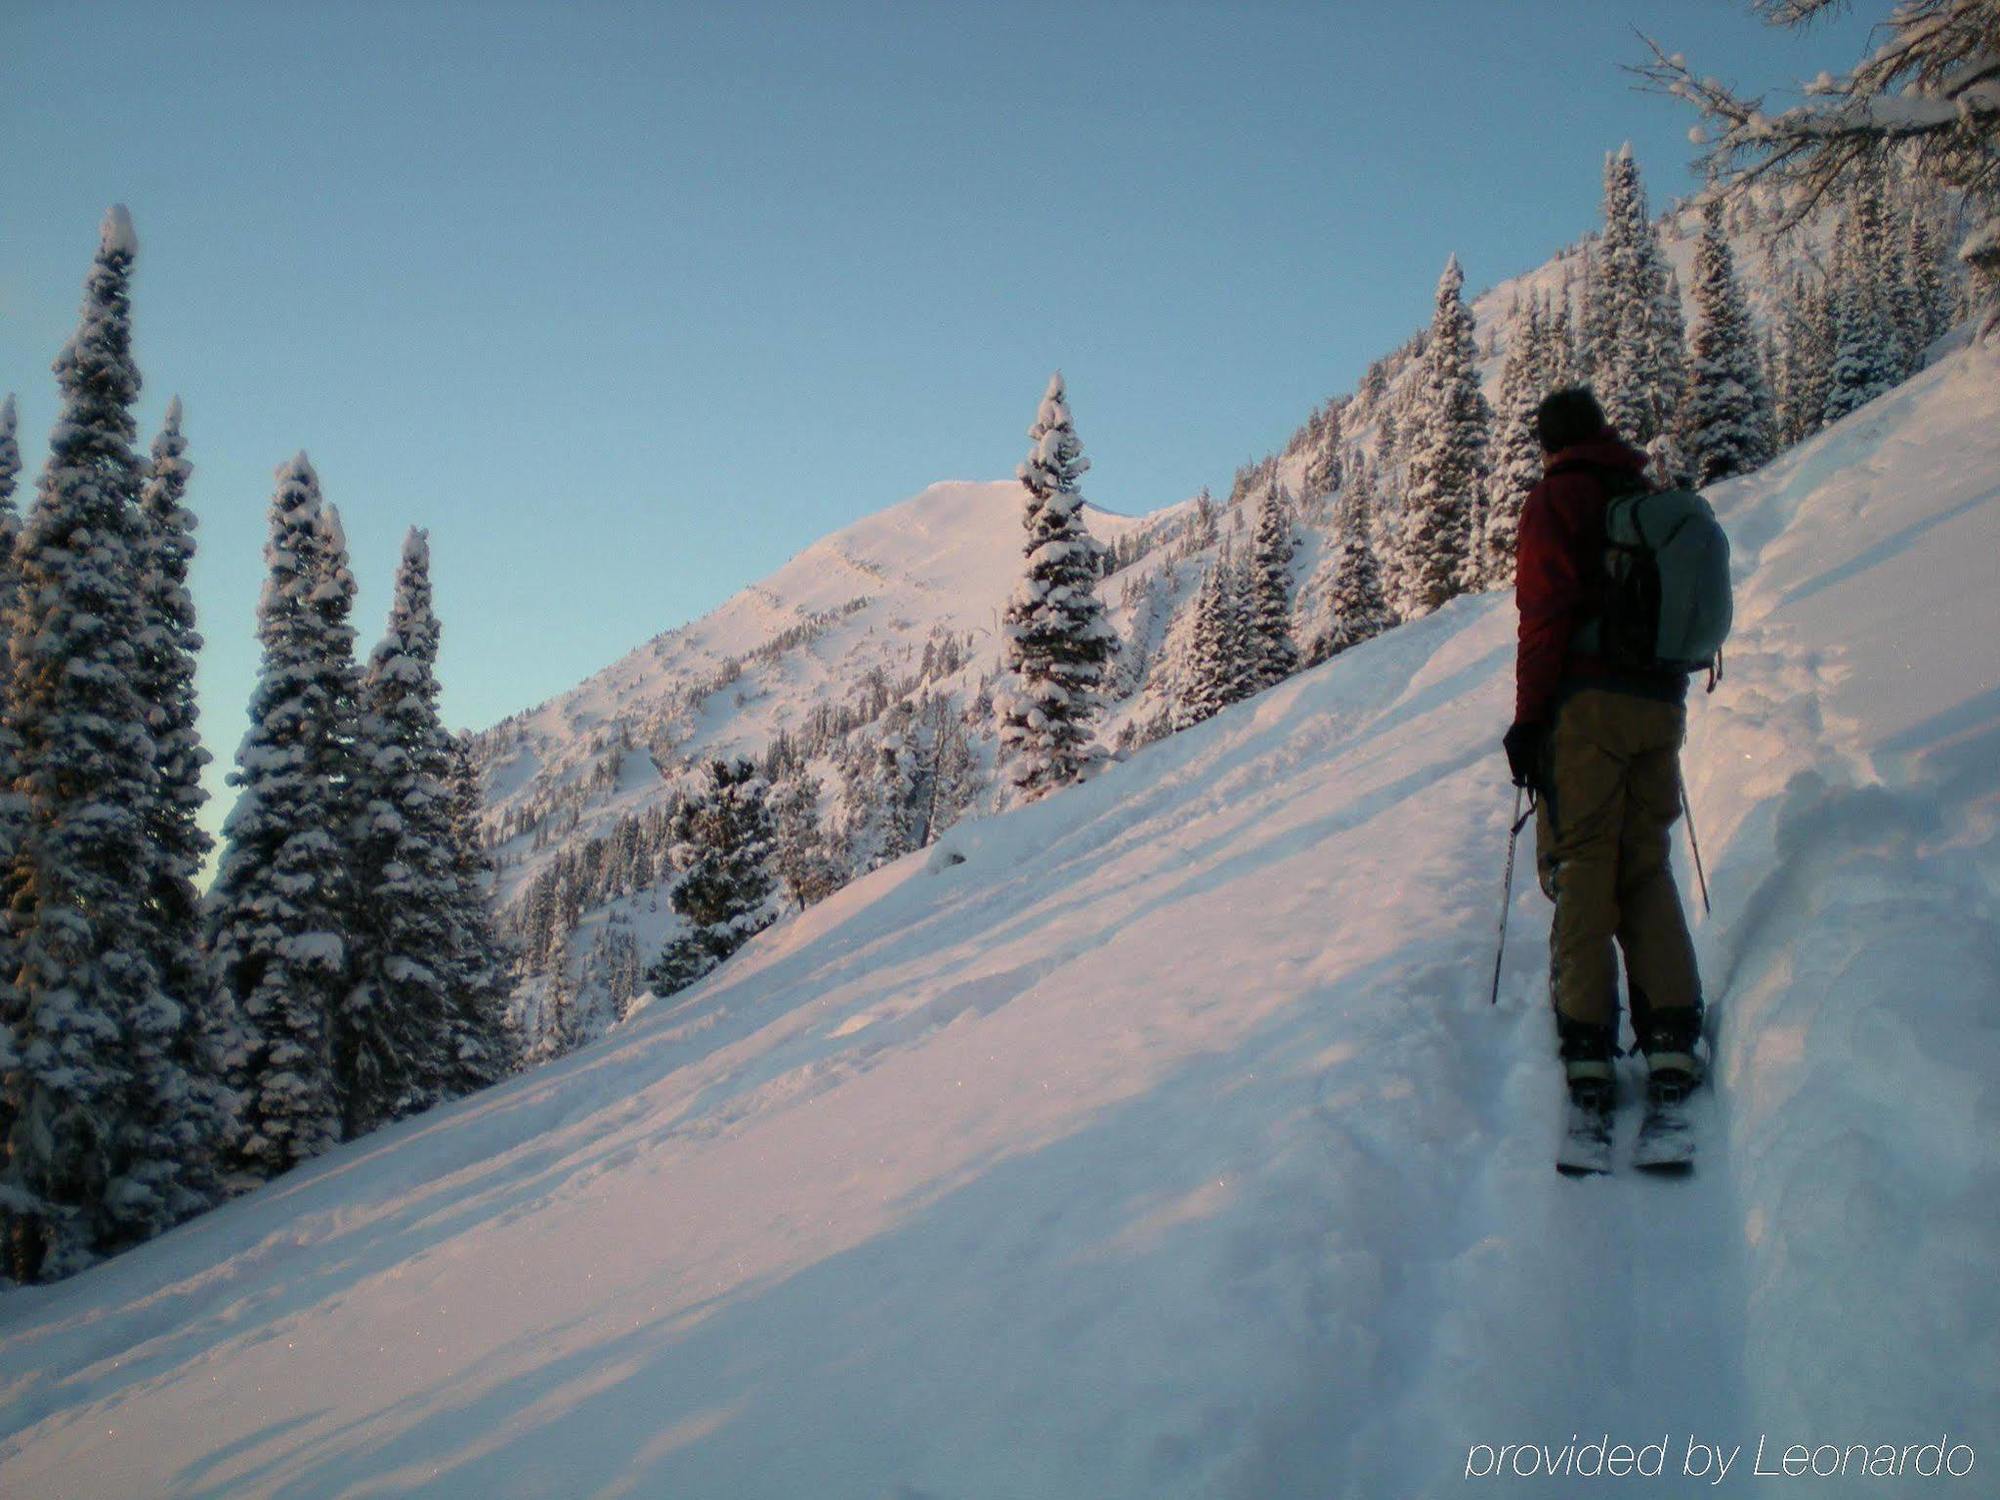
<point x="1600" y="747"/>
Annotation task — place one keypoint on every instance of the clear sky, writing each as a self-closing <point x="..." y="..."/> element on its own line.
<point x="628" y="303"/>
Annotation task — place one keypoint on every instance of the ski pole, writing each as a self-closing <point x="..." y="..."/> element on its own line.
<point x="1507" y="898"/>
<point x="1695" y="844"/>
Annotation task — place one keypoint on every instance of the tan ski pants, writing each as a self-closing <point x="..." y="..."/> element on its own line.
<point x="1611" y="796"/>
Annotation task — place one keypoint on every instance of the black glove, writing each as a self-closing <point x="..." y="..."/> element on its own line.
<point x="1527" y="744"/>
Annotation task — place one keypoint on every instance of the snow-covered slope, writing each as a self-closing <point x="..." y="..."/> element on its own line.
<point x="1158" y="1140"/>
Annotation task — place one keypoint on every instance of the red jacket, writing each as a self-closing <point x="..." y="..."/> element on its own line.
<point x="1561" y="534"/>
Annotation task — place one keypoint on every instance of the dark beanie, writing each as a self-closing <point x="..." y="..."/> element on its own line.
<point x="1568" y="417"/>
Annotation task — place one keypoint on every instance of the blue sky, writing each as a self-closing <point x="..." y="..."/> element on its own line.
<point x="629" y="303"/>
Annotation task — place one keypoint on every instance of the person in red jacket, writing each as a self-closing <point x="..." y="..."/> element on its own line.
<point x="1601" y="749"/>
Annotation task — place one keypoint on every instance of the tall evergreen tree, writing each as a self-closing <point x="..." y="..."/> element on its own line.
<point x="1637" y="370"/>
<point x="1927" y="280"/>
<point x="1727" y="419"/>
<point x="724" y="847"/>
<point x="1806" y="360"/>
<point x="1560" y="364"/>
<point x="1517" y="451"/>
<point x="1597" y="321"/>
<point x="800" y="857"/>
<point x="1059" y="642"/>
<point x="279" y="908"/>
<point x="1212" y="674"/>
<point x="1273" y="655"/>
<point x="1865" y="355"/>
<point x="1359" y="608"/>
<point x="168" y="647"/>
<point x="483" y="1048"/>
<point x="13" y="807"/>
<point x="1447" y="471"/>
<point x="1323" y="471"/>
<point x="90" y="1062"/>
<point x="391" y="1032"/>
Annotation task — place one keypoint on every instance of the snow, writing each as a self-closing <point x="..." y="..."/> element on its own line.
<point x="1157" y="1139"/>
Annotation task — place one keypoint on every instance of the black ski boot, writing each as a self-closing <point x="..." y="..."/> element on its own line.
<point x="1587" y="1052"/>
<point x="1675" y="1067"/>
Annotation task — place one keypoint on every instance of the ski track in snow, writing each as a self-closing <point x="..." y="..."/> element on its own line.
<point x="1158" y="1140"/>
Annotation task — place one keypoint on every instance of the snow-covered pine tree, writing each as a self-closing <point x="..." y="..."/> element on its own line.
<point x="1927" y="280"/>
<point x="1596" y="319"/>
<point x="1271" y="654"/>
<point x="724" y="844"/>
<point x="1866" y="358"/>
<point x="13" y="808"/>
<point x="1669" y="332"/>
<point x="483" y="1046"/>
<point x="1560" y="366"/>
<point x="390" y="1033"/>
<point x="1727" y="418"/>
<point x="1447" y="471"/>
<point x="1637" y="370"/>
<point x="279" y="909"/>
<point x="1058" y="641"/>
<point x="1359" y="609"/>
<point x="1322" y="475"/>
<point x="90" y="1062"/>
<point x="1211" y="671"/>
<point x="168" y="647"/>
<point x="1900" y="301"/>
<point x="953" y="779"/>
<point x="1517" y="451"/>
<point x="1771" y="363"/>
<point x="557" y="1026"/>
<point x="1806" y="359"/>
<point x="800" y="856"/>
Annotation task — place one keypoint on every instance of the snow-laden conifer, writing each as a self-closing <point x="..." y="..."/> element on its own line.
<point x="168" y="648"/>
<point x="1272" y="654"/>
<point x="1058" y="641"/>
<point x="1866" y="357"/>
<point x="1517" y="451"/>
<point x="1927" y="280"/>
<point x="1447" y="468"/>
<point x="391" y="1034"/>
<point x="1805" y="359"/>
<point x="279" y="909"/>
<point x="1359" y="609"/>
<point x="1323" y="470"/>
<point x="13" y="809"/>
<point x="724" y="848"/>
<point x="90" y="1060"/>
<point x="1727" y="418"/>
<point x="1212" y="673"/>
<point x="800" y="856"/>
<point x="1637" y="371"/>
<point x="1560" y="364"/>
<point x="1596" y="320"/>
<point x="483" y="1047"/>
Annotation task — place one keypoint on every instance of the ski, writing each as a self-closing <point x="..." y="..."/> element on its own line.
<point x="1666" y="1134"/>
<point x="1586" y="1142"/>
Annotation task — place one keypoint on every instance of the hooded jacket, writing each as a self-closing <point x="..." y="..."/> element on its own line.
<point x="1561" y="535"/>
